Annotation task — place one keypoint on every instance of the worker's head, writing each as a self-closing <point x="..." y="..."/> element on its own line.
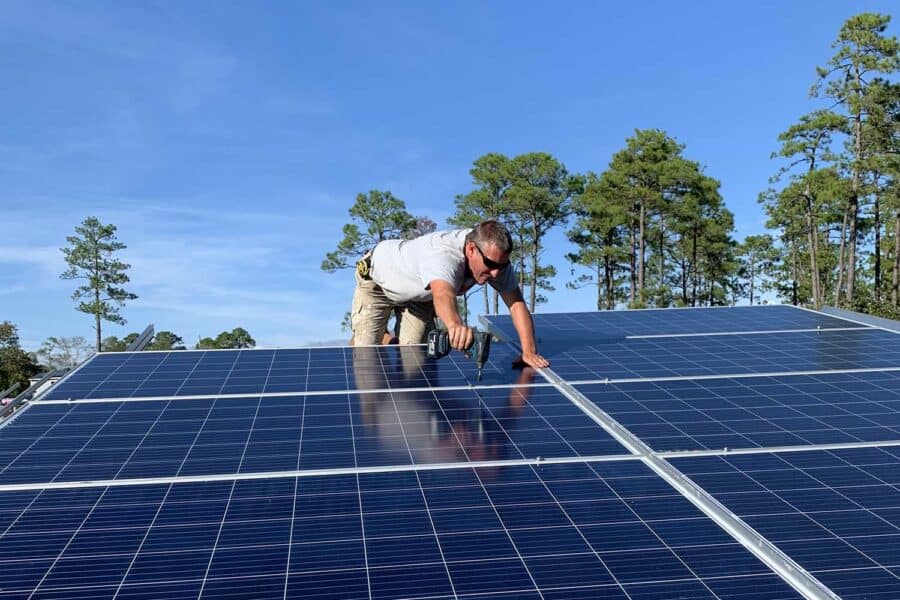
<point x="487" y="250"/>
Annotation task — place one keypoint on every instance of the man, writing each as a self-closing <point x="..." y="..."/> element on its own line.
<point x="424" y="276"/>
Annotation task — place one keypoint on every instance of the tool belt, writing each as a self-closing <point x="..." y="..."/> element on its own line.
<point x="364" y="265"/>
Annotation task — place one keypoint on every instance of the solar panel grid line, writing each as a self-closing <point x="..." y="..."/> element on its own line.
<point x="803" y="581"/>
<point x="431" y="520"/>
<point x="57" y="558"/>
<point x="225" y="514"/>
<point x="618" y="324"/>
<point x="732" y="375"/>
<point x="856" y="534"/>
<point x="362" y="529"/>
<point x="509" y="536"/>
<point x="661" y="540"/>
<point x="194" y="369"/>
<point x="581" y="357"/>
<point x="83" y="446"/>
<point x="152" y="372"/>
<point x="362" y="525"/>
<point x="573" y="524"/>
<point x="549" y="424"/>
<point x="303" y="473"/>
<point x="675" y="454"/>
<point x="848" y="318"/>
<point x="434" y="532"/>
<point x="724" y="333"/>
<point x="755" y="412"/>
<point x="629" y="562"/>
<point x="36" y="440"/>
<point x="296" y="489"/>
<point x="194" y="374"/>
<point x="498" y="386"/>
<point x="517" y="422"/>
<point x="161" y="504"/>
<point x="851" y="500"/>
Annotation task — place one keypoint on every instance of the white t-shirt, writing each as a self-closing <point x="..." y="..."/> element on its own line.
<point x="405" y="268"/>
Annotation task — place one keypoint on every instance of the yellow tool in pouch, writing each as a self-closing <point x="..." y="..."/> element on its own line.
<point x="364" y="266"/>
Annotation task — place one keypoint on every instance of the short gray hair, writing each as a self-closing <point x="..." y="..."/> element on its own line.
<point x="491" y="232"/>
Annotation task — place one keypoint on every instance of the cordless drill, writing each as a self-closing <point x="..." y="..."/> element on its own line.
<point x="439" y="346"/>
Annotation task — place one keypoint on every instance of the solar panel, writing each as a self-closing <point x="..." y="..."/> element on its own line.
<point x="720" y="355"/>
<point x="374" y="473"/>
<point x="752" y="412"/>
<point x="611" y="530"/>
<point x="837" y="513"/>
<point x="584" y="327"/>
<point x="160" y="438"/>
<point x="212" y="373"/>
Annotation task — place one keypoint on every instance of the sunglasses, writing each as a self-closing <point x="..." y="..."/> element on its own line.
<point x="490" y="264"/>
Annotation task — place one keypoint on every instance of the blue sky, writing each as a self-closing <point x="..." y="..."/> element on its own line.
<point x="227" y="140"/>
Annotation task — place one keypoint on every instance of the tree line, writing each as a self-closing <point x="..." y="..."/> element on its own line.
<point x="835" y="200"/>
<point x="90" y="257"/>
<point x="17" y="365"/>
<point x="652" y="229"/>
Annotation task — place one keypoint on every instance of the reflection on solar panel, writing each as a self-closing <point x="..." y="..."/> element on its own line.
<point x="837" y="513"/>
<point x="752" y="412"/>
<point x="559" y="531"/>
<point x="165" y="438"/>
<point x="213" y="373"/>
<point x="582" y="327"/>
<point x="374" y="473"/>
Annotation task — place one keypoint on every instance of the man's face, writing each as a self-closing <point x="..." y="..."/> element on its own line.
<point x="486" y="262"/>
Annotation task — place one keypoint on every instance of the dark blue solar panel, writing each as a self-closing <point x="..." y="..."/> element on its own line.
<point x="155" y="438"/>
<point x="755" y="411"/>
<point x="582" y="327"/>
<point x="725" y="355"/>
<point x="185" y="373"/>
<point x="836" y="513"/>
<point x="564" y="531"/>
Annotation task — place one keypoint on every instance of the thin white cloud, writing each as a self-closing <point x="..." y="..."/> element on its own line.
<point x="15" y="288"/>
<point x="47" y="258"/>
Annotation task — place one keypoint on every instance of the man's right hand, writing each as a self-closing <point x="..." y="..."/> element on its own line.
<point x="461" y="336"/>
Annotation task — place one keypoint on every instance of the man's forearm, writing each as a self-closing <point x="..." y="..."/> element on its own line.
<point x="445" y="308"/>
<point x="524" y="325"/>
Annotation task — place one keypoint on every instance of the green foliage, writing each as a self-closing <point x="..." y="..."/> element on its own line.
<point x="376" y="216"/>
<point x="90" y="259"/>
<point x="862" y="49"/>
<point x="491" y="175"/>
<point x="64" y="352"/>
<point x="653" y="230"/>
<point x="234" y="339"/>
<point x="851" y="80"/>
<point x="492" y="179"/>
<point x="166" y="340"/>
<point x="757" y="255"/>
<point x="599" y="235"/>
<point x="836" y="210"/>
<point x="539" y="198"/>
<point x="16" y="365"/>
<point x="114" y="344"/>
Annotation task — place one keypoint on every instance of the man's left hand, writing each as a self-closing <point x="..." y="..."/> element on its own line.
<point x="533" y="359"/>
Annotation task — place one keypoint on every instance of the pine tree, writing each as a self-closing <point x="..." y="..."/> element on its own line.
<point x="90" y="256"/>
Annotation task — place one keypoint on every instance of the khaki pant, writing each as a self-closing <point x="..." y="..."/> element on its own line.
<point x="371" y="311"/>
